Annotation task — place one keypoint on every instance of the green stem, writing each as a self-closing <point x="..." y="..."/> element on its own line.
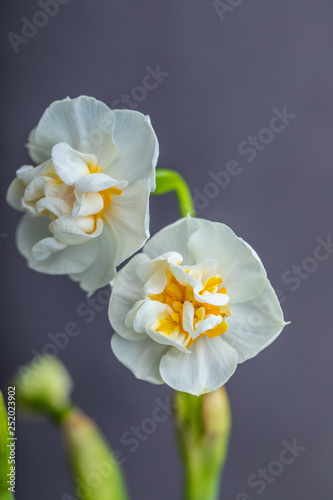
<point x="203" y="427"/>
<point x="201" y="483"/>
<point x="7" y="495"/>
<point x="169" y="180"/>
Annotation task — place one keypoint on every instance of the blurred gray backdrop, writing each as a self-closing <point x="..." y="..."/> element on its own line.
<point x="222" y="70"/>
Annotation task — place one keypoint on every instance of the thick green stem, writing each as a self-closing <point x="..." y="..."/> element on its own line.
<point x="203" y="430"/>
<point x="201" y="483"/>
<point x="169" y="180"/>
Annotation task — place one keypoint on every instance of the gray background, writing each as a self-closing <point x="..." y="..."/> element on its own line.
<point x="225" y="78"/>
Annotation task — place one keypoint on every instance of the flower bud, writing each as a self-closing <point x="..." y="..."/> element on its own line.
<point x="203" y="429"/>
<point x="96" y="473"/>
<point x="44" y="386"/>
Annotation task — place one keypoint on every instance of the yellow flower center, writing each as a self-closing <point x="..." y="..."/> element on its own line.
<point x="175" y="295"/>
<point x="56" y="188"/>
<point x="106" y="194"/>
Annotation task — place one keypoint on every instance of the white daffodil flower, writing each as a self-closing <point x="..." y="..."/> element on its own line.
<point x="192" y="306"/>
<point x="87" y="201"/>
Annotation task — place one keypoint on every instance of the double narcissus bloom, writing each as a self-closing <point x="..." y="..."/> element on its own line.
<point x="87" y="201"/>
<point x="190" y="307"/>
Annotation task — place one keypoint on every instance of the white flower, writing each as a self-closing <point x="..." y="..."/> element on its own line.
<point x="87" y="200"/>
<point x="192" y="306"/>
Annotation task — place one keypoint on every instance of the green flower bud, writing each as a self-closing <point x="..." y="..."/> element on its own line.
<point x="43" y="386"/>
<point x="203" y="429"/>
<point x="96" y="473"/>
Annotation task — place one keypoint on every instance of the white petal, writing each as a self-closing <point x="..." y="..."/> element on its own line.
<point x="138" y="147"/>
<point x="185" y="278"/>
<point x="174" y="238"/>
<point x="97" y="182"/>
<point x="126" y="291"/>
<point x="243" y="274"/>
<point x="188" y="317"/>
<point x="145" y="271"/>
<point x="87" y="204"/>
<point x="147" y="314"/>
<point x="177" y="340"/>
<point x="70" y="164"/>
<point x="35" y="189"/>
<point x="56" y="206"/>
<point x="45" y="248"/>
<point x="156" y="283"/>
<point x="207" y="324"/>
<point x="84" y="123"/>
<point x="130" y="317"/>
<point x="216" y="299"/>
<point x="127" y="218"/>
<point x="142" y="357"/>
<point x="153" y="272"/>
<point x="209" y="366"/>
<point x="15" y="194"/>
<point x="27" y="173"/>
<point x="72" y="259"/>
<point x="255" y="324"/>
<point x="102" y="270"/>
<point x="75" y="231"/>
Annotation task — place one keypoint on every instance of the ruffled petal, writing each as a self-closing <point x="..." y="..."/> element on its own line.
<point x="207" y="324"/>
<point x="242" y="272"/>
<point x="209" y="366"/>
<point x="56" y="206"/>
<point x="138" y="147"/>
<point x="84" y="123"/>
<point x="97" y="182"/>
<point x="87" y="204"/>
<point x="184" y="278"/>
<point x="71" y="259"/>
<point x="45" y="248"/>
<point x="70" y="164"/>
<point x="128" y="219"/>
<point x="15" y="194"/>
<point x="144" y="321"/>
<point x="103" y="268"/>
<point x="142" y="357"/>
<point x="126" y="291"/>
<point x="255" y="324"/>
<point x="75" y="231"/>
<point x="173" y="238"/>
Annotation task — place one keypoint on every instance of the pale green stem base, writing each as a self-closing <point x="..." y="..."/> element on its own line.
<point x="201" y="483"/>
